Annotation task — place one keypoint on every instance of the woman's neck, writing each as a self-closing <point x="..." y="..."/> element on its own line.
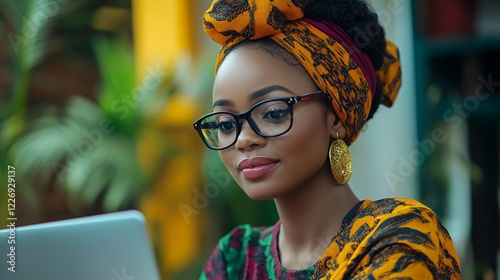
<point x="310" y="217"/>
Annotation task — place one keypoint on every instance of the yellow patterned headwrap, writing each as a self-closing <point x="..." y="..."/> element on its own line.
<point x="327" y="61"/>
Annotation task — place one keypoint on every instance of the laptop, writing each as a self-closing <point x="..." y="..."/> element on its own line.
<point x="112" y="246"/>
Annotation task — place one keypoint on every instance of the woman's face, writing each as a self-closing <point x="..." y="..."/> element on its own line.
<point x="267" y="168"/>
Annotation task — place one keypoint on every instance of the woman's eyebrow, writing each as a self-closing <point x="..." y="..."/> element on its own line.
<point x="263" y="91"/>
<point x="223" y="102"/>
<point x="254" y="95"/>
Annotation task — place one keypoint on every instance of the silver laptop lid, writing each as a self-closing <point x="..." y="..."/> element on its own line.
<point x="112" y="246"/>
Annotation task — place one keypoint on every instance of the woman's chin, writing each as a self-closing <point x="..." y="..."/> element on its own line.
<point x="260" y="192"/>
<point x="260" y="198"/>
<point x="259" y="195"/>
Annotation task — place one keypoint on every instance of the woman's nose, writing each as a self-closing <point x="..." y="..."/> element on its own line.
<point x="248" y="138"/>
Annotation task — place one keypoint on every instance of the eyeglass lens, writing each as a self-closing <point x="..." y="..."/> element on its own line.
<point x="271" y="118"/>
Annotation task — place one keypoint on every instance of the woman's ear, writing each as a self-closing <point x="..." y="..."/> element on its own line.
<point x="335" y="126"/>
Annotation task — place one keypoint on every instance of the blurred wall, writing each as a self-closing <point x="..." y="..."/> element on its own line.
<point x="382" y="149"/>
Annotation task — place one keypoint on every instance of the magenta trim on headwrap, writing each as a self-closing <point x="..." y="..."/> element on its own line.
<point x="359" y="56"/>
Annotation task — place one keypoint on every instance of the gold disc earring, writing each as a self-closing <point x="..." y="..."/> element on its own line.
<point x="340" y="161"/>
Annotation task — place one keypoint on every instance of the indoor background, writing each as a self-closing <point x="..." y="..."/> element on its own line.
<point x="97" y="101"/>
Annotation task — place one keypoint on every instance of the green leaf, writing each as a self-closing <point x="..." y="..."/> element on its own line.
<point x="116" y="64"/>
<point x="87" y="161"/>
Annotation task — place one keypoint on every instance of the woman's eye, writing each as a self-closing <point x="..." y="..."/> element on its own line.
<point x="227" y="127"/>
<point x="276" y="114"/>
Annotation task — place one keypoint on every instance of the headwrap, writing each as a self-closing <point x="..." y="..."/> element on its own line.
<point x="327" y="53"/>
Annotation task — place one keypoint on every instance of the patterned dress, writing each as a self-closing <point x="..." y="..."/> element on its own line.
<point x="386" y="239"/>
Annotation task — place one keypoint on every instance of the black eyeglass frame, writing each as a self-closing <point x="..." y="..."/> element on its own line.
<point x="247" y="116"/>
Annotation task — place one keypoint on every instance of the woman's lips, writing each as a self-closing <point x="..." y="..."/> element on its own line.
<point x="256" y="167"/>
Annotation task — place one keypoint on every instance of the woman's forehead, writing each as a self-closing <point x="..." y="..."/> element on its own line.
<point x="247" y="69"/>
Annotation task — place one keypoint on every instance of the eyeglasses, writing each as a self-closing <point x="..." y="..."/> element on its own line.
<point x="268" y="118"/>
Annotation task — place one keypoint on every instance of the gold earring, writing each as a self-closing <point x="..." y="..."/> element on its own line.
<point x="340" y="161"/>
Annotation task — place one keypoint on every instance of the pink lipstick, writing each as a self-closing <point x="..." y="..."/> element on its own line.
<point x="256" y="167"/>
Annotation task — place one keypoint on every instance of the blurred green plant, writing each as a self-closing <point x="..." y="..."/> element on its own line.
<point x="88" y="149"/>
<point x="26" y="25"/>
<point x="91" y="147"/>
<point x="27" y="41"/>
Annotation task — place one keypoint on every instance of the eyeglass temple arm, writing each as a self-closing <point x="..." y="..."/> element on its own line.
<point x="308" y="96"/>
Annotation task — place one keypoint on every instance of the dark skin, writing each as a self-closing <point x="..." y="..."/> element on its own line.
<point x="310" y="203"/>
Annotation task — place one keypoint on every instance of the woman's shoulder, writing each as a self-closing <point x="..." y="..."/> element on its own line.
<point x="389" y="214"/>
<point x="393" y="236"/>
<point x="391" y="206"/>
<point x="376" y="211"/>
<point x="394" y="225"/>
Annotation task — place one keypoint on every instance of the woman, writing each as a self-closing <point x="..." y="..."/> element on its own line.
<point x="295" y="82"/>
